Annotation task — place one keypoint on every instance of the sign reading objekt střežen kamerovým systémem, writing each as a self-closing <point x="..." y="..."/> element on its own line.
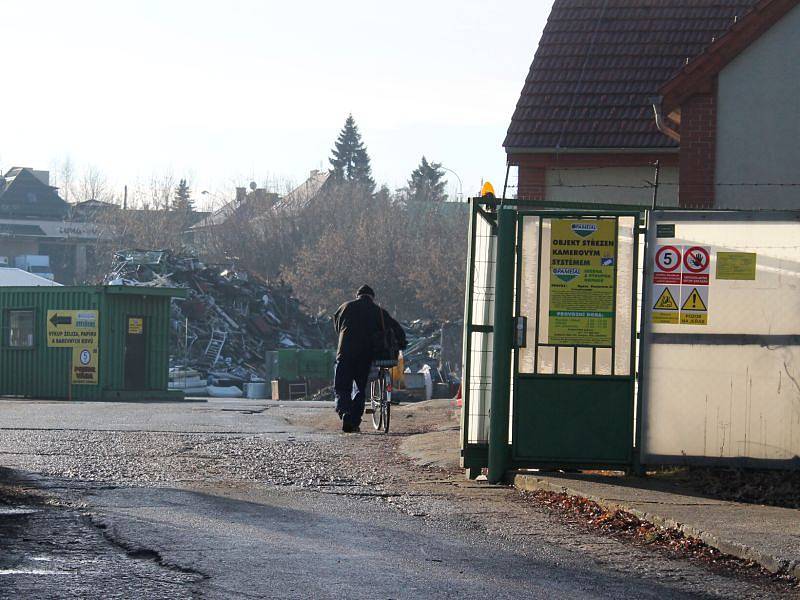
<point x="583" y="270"/>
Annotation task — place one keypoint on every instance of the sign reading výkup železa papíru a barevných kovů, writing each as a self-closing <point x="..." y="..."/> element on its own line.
<point x="76" y="329"/>
<point x="583" y="271"/>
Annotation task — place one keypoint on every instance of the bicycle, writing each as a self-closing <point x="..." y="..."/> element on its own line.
<point x="381" y="394"/>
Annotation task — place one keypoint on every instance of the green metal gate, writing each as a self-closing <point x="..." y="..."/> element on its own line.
<point x="550" y="377"/>
<point x="574" y="380"/>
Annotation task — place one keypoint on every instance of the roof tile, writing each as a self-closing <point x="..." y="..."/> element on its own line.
<point x="600" y="61"/>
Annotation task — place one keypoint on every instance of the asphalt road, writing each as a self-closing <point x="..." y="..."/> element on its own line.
<point x="227" y="499"/>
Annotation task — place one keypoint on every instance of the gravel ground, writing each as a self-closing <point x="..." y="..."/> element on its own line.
<point x="364" y="468"/>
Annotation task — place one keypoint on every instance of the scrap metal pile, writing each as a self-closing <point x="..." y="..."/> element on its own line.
<point x="424" y="344"/>
<point x="229" y="319"/>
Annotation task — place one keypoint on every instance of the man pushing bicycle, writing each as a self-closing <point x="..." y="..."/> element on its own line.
<point x="365" y="330"/>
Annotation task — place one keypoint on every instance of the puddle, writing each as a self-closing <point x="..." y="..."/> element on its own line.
<point x="17" y="511"/>
<point x="32" y="572"/>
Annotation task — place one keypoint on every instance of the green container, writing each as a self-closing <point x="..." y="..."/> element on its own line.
<point x="132" y="359"/>
<point x="296" y="364"/>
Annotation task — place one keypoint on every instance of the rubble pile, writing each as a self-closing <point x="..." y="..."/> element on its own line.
<point x="229" y="319"/>
<point x="434" y="350"/>
<point x="424" y="344"/>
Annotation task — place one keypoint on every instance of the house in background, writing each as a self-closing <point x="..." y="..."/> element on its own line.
<point x="584" y="129"/>
<point x="250" y="206"/>
<point x="736" y="110"/>
<point x="35" y="220"/>
<point x="201" y="236"/>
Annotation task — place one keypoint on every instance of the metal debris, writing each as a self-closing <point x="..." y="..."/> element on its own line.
<point x="229" y="319"/>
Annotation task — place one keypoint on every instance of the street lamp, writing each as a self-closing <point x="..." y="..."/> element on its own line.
<point x="460" y="186"/>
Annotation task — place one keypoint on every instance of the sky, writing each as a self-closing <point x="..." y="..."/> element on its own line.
<point x="224" y="93"/>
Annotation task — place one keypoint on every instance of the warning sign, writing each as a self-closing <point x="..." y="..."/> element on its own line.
<point x="665" y="308"/>
<point x="135" y="325"/>
<point x="666" y="301"/>
<point x="76" y="329"/>
<point x="696" y="263"/>
<point x="667" y="266"/>
<point x="694" y="309"/>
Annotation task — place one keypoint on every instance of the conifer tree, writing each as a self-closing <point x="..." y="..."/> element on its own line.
<point x="183" y="197"/>
<point x="350" y="161"/>
<point x="427" y="182"/>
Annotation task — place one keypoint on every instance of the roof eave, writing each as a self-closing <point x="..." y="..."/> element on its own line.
<point x="658" y="150"/>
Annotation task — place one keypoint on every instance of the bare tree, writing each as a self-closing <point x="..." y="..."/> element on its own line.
<point x="64" y="177"/>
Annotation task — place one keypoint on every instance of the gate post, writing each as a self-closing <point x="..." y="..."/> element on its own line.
<point x="499" y="456"/>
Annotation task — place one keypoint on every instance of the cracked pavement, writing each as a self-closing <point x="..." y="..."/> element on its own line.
<point x="245" y="498"/>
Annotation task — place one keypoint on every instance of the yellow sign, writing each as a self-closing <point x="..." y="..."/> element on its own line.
<point x="666" y="301"/>
<point x="76" y="329"/>
<point x="84" y="365"/>
<point x="583" y="269"/>
<point x="694" y="310"/>
<point x="694" y="318"/>
<point x="665" y="309"/>
<point x="71" y="327"/>
<point x="736" y="266"/>
<point x="487" y="191"/>
<point x="135" y="325"/>
<point x="694" y="302"/>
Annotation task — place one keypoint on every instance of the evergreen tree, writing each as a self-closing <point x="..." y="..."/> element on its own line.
<point x="183" y="197"/>
<point x="427" y="182"/>
<point x="350" y="161"/>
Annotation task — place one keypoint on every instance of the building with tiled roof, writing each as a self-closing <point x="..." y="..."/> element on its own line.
<point x="35" y="220"/>
<point x="584" y="128"/>
<point x="735" y="109"/>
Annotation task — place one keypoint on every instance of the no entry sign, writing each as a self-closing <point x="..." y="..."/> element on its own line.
<point x="696" y="262"/>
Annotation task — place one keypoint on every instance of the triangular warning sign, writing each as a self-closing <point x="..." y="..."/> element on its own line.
<point x="694" y="302"/>
<point x="666" y="301"/>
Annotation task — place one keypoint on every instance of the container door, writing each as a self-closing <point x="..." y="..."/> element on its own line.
<point x="135" y="356"/>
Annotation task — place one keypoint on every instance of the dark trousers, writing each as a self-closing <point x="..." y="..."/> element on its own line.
<point x="350" y="407"/>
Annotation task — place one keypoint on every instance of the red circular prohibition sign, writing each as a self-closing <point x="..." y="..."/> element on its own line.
<point x="692" y="252"/>
<point x="660" y="253"/>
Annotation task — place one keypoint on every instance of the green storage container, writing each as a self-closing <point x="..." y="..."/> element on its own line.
<point x="131" y="346"/>
<point x="296" y="364"/>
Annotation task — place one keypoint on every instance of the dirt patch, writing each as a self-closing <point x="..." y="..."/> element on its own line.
<point x="412" y="418"/>
<point x="433" y="449"/>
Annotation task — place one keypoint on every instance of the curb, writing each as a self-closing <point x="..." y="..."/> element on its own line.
<point x="771" y="563"/>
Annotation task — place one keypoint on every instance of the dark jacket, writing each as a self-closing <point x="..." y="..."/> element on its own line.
<point x="356" y="322"/>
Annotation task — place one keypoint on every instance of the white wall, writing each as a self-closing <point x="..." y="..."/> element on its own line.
<point x="758" y="126"/>
<point x="612" y="185"/>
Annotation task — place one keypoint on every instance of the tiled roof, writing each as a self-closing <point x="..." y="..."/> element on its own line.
<point x="600" y="62"/>
<point x="727" y="47"/>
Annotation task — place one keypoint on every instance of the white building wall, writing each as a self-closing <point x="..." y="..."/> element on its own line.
<point x="612" y="185"/>
<point x="758" y="121"/>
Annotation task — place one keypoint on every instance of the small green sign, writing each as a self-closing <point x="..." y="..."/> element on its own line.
<point x="665" y="230"/>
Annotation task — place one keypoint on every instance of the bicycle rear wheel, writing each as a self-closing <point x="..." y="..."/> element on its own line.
<point x="375" y="401"/>
<point x="386" y="399"/>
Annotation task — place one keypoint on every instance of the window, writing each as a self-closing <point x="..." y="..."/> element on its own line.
<point x="20" y="329"/>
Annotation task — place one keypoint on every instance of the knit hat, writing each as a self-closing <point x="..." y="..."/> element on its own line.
<point x="365" y="290"/>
